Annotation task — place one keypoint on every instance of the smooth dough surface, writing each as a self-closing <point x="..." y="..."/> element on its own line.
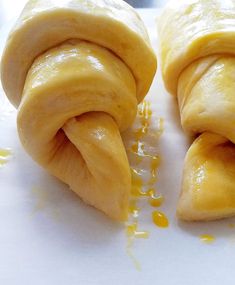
<point x="197" y="41"/>
<point x="44" y="24"/>
<point x="76" y="70"/>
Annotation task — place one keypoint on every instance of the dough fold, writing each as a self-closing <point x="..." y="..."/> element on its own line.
<point x="197" y="42"/>
<point x="76" y="71"/>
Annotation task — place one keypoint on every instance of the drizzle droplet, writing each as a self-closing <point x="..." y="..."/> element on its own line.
<point x="132" y="231"/>
<point x="160" y="219"/>
<point x="137" y="183"/>
<point x="156" y="201"/>
<point x="4" y="155"/>
<point x="207" y="238"/>
<point x="133" y="208"/>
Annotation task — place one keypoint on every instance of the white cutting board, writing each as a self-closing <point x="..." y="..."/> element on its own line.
<point x="48" y="236"/>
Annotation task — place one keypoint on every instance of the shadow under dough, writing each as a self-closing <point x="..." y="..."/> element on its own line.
<point x="219" y="228"/>
<point x="55" y="204"/>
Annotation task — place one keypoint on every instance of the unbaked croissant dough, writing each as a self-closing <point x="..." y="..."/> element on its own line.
<point x="197" y="42"/>
<point x="76" y="71"/>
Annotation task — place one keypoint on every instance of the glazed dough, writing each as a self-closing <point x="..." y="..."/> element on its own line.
<point x="197" y="41"/>
<point x="76" y="70"/>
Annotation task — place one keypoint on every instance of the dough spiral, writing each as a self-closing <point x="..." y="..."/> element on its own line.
<point x="197" y="41"/>
<point x="76" y="70"/>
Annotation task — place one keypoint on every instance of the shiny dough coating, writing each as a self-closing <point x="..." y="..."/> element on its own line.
<point x="197" y="42"/>
<point x="76" y="70"/>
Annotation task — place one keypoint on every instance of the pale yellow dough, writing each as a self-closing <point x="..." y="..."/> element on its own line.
<point x="197" y="41"/>
<point x="44" y="24"/>
<point x="77" y="70"/>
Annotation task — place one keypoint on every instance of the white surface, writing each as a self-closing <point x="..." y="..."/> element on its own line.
<point x="10" y="9"/>
<point x="48" y="236"/>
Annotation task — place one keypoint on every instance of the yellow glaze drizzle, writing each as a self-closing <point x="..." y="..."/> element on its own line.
<point x="131" y="255"/>
<point x="144" y="110"/>
<point x="160" y="219"/>
<point x="154" y="166"/>
<point x="143" y="130"/>
<point x="137" y="186"/>
<point x="140" y="188"/>
<point x="133" y="208"/>
<point x="156" y="201"/>
<point x="137" y="183"/>
<point x="132" y="231"/>
<point x="4" y="156"/>
<point x="138" y="148"/>
<point x="142" y="234"/>
<point x="160" y="127"/>
<point x="145" y="114"/>
<point x="207" y="238"/>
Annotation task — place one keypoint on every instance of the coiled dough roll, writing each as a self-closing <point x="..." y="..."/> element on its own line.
<point x="197" y="42"/>
<point x="76" y="70"/>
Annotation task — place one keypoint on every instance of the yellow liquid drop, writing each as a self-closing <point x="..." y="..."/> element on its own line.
<point x="160" y="127"/>
<point x="132" y="231"/>
<point x="160" y="219"/>
<point x="133" y="208"/>
<point x="145" y="113"/>
<point x="232" y="226"/>
<point x="138" y="147"/>
<point x="142" y="131"/>
<point x="207" y="238"/>
<point x="4" y="156"/>
<point x="150" y="192"/>
<point x="156" y="201"/>
<point x="144" y="110"/>
<point x="138" y="187"/>
<point x="137" y="183"/>
<point x="142" y="234"/>
<point x="154" y="166"/>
